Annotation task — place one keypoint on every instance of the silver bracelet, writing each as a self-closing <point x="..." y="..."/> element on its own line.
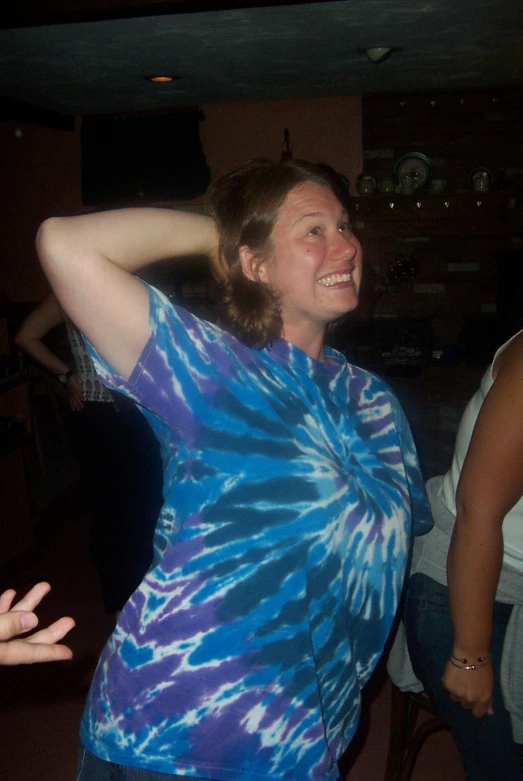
<point x="481" y="662"/>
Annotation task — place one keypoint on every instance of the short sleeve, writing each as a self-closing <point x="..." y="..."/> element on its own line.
<point x="177" y="365"/>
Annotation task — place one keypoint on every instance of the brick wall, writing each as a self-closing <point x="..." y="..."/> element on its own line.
<point x="455" y="235"/>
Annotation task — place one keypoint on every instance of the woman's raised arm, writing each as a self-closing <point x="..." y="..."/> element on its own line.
<point x="89" y="261"/>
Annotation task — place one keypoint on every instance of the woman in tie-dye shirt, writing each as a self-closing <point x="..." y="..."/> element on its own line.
<point x="291" y="486"/>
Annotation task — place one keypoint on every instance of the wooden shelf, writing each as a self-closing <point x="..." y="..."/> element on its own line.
<point x="425" y="213"/>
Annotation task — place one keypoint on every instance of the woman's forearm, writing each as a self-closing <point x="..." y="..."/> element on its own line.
<point x="474" y="565"/>
<point x="37" y="350"/>
<point x="29" y="338"/>
<point x="129" y="238"/>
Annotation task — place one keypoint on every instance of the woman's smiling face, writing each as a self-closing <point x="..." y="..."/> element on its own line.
<point x="315" y="263"/>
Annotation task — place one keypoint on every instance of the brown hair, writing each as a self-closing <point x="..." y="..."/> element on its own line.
<point x="245" y="205"/>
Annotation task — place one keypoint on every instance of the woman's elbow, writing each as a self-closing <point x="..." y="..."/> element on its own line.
<point x="20" y="339"/>
<point x="50" y="240"/>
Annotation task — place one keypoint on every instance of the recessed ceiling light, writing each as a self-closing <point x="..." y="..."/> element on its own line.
<point x="377" y="54"/>
<point x="162" y="79"/>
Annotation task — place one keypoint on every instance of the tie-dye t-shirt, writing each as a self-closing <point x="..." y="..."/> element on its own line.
<point x="291" y="486"/>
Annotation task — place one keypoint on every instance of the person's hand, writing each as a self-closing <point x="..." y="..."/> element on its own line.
<point x="472" y="689"/>
<point x="76" y="399"/>
<point x="43" y="645"/>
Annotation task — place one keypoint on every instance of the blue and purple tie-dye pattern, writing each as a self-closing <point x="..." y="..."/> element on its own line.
<point x="290" y="489"/>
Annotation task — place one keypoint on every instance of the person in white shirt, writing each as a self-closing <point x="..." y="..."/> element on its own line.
<point x="464" y="603"/>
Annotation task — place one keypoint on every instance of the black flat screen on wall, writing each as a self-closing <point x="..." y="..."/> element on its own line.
<point x="135" y="159"/>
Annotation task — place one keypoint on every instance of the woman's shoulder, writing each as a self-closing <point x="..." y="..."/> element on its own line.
<point x="370" y="380"/>
<point x="372" y="395"/>
<point x="509" y="356"/>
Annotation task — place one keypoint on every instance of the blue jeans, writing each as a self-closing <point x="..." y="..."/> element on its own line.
<point x="91" y="768"/>
<point x="486" y="745"/>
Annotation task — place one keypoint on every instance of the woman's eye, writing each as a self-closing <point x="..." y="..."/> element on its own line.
<point x="314" y="231"/>
<point x="345" y="227"/>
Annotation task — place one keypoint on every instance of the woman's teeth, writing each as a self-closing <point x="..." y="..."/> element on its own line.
<point x="334" y="279"/>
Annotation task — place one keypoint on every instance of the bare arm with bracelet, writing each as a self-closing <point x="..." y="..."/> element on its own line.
<point x="491" y="483"/>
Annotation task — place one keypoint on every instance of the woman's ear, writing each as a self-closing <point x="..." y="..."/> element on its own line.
<point x="251" y="266"/>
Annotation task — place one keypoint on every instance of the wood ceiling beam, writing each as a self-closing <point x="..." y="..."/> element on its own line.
<point x="35" y="13"/>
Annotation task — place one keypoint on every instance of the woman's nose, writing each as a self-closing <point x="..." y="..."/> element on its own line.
<point x="347" y="246"/>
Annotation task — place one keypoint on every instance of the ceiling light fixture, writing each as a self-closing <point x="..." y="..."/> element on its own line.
<point x="377" y="54"/>
<point x="161" y="79"/>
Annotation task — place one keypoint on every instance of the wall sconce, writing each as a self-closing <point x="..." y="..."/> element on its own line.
<point x="377" y="54"/>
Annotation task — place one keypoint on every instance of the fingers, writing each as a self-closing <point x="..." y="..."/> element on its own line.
<point x="76" y="401"/>
<point x="478" y="707"/>
<point x="480" y="711"/>
<point x="23" y="652"/>
<point x="6" y="600"/>
<point x="15" y="623"/>
<point x="33" y="597"/>
<point x="471" y="689"/>
<point x="463" y="702"/>
<point x="53" y="633"/>
<point x="41" y="647"/>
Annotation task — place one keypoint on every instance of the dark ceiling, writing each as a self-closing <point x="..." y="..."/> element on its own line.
<point x="93" y="59"/>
